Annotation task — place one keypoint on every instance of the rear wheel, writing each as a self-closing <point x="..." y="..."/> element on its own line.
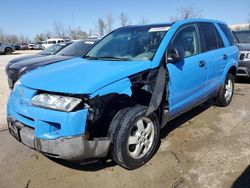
<point x="7" y="51"/>
<point x="134" y="136"/>
<point x="225" y="96"/>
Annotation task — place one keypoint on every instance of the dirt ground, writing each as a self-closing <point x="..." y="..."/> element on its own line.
<point x="206" y="147"/>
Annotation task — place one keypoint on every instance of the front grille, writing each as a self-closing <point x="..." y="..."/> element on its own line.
<point x="241" y="72"/>
<point x="242" y="56"/>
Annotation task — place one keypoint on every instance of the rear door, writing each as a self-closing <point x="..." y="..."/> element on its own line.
<point x="188" y="77"/>
<point x="214" y="53"/>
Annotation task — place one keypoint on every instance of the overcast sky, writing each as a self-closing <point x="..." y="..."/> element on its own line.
<point x="30" y="17"/>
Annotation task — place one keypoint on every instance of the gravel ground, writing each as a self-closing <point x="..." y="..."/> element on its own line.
<point x="4" y="89"/>
<point x="206" y="147"/>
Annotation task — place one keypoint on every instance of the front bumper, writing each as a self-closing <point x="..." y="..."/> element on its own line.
<point x="73" y="148"/>
<point x="54" y="133"/>
<point x="243" y="69"/>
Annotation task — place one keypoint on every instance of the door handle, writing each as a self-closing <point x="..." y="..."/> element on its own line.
<point x="225" y="56"/>
<point x="202" y="63"/>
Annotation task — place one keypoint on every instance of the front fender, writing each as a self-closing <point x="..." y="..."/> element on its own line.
<point x="122" y="86"/>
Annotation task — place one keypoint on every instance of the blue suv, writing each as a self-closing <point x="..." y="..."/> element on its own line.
<point x="116" y="98"/>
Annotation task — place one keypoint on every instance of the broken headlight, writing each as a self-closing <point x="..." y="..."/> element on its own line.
<point x="56" y="102"/>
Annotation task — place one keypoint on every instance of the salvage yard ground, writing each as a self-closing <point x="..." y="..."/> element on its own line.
<point x="206" y="147"/>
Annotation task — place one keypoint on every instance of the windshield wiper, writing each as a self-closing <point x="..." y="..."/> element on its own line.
<point x="115" y="58"/>
<point x="91" y="57"/>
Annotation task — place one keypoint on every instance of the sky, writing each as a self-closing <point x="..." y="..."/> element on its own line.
<point x="30" y="17"/>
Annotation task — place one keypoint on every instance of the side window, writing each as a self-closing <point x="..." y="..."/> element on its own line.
<point x="210" y="37"/>
<point x="187" y="39"/>
<point x="228" y="33"/>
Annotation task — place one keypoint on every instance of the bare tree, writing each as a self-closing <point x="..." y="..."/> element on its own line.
<point x="124" y="20"/>
<point x="40" y="37"/>
<point x="101" y="27"/>
<point x="78" y="33"/>
<point x="186" y="12"/>
<point x="110" y="22"/>
<point x="24" y="39"/>
<point x="2" y="36"/>
<point x="143" y="21"/>
<point x="60" y="30"/>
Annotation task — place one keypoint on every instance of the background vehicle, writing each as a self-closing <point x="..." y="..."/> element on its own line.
<point x="17" y="46"/>
<point x="52" y="41"/>
<point x="31" y="46"/>
<point x="39" y="46"/>
<point x="6" y="49"/>
<point x="55" y="53"/>
<point x="243" y="37"/>
<point x="23" y="46"/>
<point x="124" y="90"/>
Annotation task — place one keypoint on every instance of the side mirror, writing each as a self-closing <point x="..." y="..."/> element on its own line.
<point x="176" y="54"/>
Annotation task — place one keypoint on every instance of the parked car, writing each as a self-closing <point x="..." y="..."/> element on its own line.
<point x="23" y="46"/>
<point x="17" y="46"/>
<point x="39" y="46"/>
<point x="31" y="46"/>
<point x="6" y="49"/>
<point x="243" y="37"/>
<point x="116" y="99"/>
<point x="55" y="53"/>
<point x="52" y="41"/>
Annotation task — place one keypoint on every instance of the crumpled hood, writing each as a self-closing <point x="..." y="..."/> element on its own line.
<point x="243" y="46"/>
<point x="81" y="76"/>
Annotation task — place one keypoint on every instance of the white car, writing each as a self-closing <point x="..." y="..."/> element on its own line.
<point x="52" y="41"/>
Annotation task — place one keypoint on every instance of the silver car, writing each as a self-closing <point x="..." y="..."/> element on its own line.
<point x="6" y="49"/>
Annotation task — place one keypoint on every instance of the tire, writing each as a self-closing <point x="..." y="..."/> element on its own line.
<point x="225" y="95"/>
<point x="8" y="51"/>
<point x="143" y="133"/>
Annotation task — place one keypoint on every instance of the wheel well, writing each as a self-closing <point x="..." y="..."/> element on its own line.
<point x="233" y="70"/>
<point x="8" y="48"/>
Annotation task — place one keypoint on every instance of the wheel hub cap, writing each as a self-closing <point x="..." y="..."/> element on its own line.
<point x="141" y="138"/>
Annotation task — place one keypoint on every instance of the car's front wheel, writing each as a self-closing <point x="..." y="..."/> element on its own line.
<point x="225" y="96"/>
<point x="134" y="136"/>
<point x="7" y="51"/>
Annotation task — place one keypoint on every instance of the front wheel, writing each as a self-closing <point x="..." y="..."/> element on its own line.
<point x="225" y="96"/>
<point x="8" y="51"/>
<point x="135" y="136"/>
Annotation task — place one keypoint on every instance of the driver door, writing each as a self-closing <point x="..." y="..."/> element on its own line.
<point x="187" y="77"/>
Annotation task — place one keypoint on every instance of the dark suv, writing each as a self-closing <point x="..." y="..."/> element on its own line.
<point x="243" y="38"/>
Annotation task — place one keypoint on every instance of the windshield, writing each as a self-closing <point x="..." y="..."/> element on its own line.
<point x="54" y="49"/>
<point x="129" y="43"/>
<point x="243" y="36"/>
<point x="76" y="48"/>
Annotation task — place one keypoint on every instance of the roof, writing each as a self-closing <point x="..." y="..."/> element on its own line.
<point x="179" y="22"/>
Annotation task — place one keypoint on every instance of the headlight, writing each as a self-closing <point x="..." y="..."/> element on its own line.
<point x="56" y="102"/>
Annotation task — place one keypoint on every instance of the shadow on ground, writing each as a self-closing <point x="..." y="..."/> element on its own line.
<point x="95" y="165"/>
<point x="243" y="80"/>
<point x="243" y="180"/>
<point x="186" y="117"/>
<point x="87" y="165"/>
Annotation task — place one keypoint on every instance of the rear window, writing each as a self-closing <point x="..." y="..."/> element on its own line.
<point x="228" y="33"/>
<point x="243" y="36"/>
<point x="210" y="37"/>
<point x="76" y="48"/>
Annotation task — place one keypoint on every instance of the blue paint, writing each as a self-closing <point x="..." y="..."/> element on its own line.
<point x="188" y="84"/>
